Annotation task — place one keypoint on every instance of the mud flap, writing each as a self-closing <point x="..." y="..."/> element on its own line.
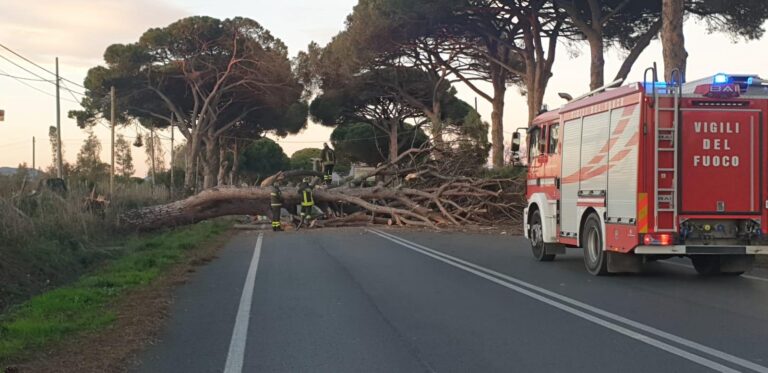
<point x="736" y="263"/>
<point x="554" y="248"/>
<point x="625" y="263"/>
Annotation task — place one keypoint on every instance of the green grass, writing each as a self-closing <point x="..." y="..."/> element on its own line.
<point x="83" y="305"/>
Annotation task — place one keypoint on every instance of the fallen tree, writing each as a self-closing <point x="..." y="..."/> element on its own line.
<point x="414" y="190"/>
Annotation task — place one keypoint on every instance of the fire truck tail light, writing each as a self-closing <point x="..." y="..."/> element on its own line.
<point x="720" y="79"/>
<point x="662" y="239"/>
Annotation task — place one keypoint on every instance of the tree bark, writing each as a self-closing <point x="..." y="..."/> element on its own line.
<point x="597" y="62"/>
<point x="437" y="130"/>
<point x="497" y="115"/>
<point x="673" y="39"/>
<point x="235" y="165"/>
<point x="221" y="177"/>
<point x="190" y="163"/>
<point x="210" y="162"/>
<point x="393" y="143"/>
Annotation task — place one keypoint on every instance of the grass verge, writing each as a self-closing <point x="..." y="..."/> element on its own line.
<point x="83" y="306"/>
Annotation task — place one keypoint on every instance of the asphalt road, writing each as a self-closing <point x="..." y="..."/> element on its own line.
<point x="356" y="300"/>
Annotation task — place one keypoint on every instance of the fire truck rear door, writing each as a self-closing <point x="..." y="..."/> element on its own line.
<point x="720" y="161"/>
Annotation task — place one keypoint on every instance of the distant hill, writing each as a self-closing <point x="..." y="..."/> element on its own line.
<point x="7" y="171"/>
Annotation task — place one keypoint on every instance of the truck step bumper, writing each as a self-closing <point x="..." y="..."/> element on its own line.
<point x="702" y="250"/>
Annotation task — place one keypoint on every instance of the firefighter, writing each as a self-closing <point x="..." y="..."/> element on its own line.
<point x="276" y="202"/>
<point x="307" y="199"/>
<point x="328" y="157"/>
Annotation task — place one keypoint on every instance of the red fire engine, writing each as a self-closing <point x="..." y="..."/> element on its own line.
<point x="652" y="170"/>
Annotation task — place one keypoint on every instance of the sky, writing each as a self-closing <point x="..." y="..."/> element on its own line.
<point x="78" y="32"/>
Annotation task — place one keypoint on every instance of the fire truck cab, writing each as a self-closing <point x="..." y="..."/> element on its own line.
<point x="652" y="170"/>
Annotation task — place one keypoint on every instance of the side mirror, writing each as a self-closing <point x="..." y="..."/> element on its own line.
<point x="515" y="142"/>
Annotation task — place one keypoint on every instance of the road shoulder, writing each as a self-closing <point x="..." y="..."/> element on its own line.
<point x="139" y="313"/>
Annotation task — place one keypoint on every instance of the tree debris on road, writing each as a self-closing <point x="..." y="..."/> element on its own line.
<point x="417" y="189"/>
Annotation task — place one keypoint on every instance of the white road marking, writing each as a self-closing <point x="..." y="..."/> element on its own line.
<point x="240" y="332"/>
<point x="518" y="285"/>
<point x="756" y="278"/>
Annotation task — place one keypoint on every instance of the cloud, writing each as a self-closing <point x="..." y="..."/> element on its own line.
<point x="79" y="31"/>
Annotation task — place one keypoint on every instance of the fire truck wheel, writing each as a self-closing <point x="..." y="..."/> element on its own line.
<point x="706" y="265"/>
<point x="537" y="239"/>
<point x="592" y="241"/>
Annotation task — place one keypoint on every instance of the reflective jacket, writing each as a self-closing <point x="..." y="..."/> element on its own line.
<point x="328" y="156"/>
<point x="275" y="197"/>
<point x="307" y="197"/>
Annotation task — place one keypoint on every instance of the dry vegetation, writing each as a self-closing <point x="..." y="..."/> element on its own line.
<point x="48" y="239"/>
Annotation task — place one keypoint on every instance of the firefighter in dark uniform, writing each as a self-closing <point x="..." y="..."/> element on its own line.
<point x="328" y="157"/>
<point x="307" y="199"/>
<point x="276" y="202"/>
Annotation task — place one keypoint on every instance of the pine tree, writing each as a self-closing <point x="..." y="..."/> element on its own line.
<point x="123" y="157"/>
<point x="156" y="159"/>
<point x="89" y="165"/>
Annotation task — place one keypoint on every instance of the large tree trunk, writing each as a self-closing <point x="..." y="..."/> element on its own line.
<point x="221" y="177"/>
<point x="497" y="115"/>
<point x="227" y="201"/>
<point x="437" y="131"/>
<point x="597" y="62"/>
<point x="190" y="163"/>
<point x="456" y="203"/>
<point x="210" y="162"/>
<point x="435" y="116"/>
<point x="393" y="143"/>
<point x="235" y="165"/>
<point x="672" y="38"/>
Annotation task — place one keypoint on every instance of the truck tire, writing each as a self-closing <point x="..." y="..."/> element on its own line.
<point x="537" y="239"/>
<point x="706" y="265"/>
<point x="595" y="259"/>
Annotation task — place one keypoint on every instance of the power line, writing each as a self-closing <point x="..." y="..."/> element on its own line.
<point x="70" y="90"/>
<point x="22" y="78"/>
<point x="33" y="87"/>
<point x="39" y="78"/>
<point x="38" y="66"/>
<point x="13" y="143"/>
<point x="73" y="96"/>
<point x="19" y="79"/>
<point x="25" y="69"/>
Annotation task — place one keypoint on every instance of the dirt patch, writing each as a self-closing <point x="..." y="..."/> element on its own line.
<point x="140" y="315"/>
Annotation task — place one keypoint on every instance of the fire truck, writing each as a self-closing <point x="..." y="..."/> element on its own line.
<point x="650" y="171"/>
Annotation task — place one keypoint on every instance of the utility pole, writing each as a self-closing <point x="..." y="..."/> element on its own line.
<point x="172" y="131"/>
<point x="60" y="161"/>
<point x="152" y="153"/>
<point x="475" y="103"/>
<point x="112" y="121"/>
<point x="34" y="167"/>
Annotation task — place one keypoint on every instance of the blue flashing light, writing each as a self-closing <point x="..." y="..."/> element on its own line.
<point x="649" y="87"/>
<point x="750" y="80"/>
<point x="720" y="79"/>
